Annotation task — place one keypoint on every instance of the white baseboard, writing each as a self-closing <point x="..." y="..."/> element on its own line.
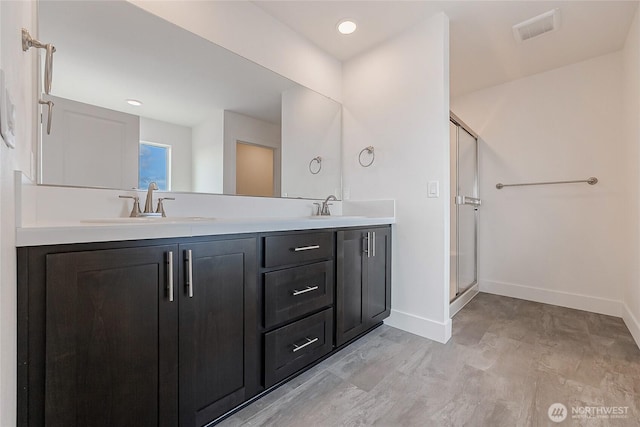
<point x="463" y="300"/>
<point x="632" y="323"/>
<point x="547" y="296"/>
<point x="431" y="329"/>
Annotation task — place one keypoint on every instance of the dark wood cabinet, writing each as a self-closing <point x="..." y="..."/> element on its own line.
<point x="178" y="332"/>
<point x="298" y="293"/>
<point x="111" y="335"/>
<point x="218" y="343"/>
<point x="363" y="280"/>
<point x="111" y="338"/>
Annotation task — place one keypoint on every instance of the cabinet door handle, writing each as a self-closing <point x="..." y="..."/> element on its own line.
<point x="170" y="274"/>
<point x="304" y="291"/>
<point x="368" y="244"/>
<point x="300" y="347"/>
<point x="373" y="245"/>
<point x="306" y="248"/>
<point x="190" y="273"/>
<point x="365" y="249"/>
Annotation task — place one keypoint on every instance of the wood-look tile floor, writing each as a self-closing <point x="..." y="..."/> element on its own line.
<point x="507" y="362"/>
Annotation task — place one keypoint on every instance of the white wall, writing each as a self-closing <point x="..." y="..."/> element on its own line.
<point x="563" y="244"/>
<point x="631" y="86"/>
<point x="249" y="31"/>
<point x="18" y="67"/>
<point x="396" y="98"/>
<point x="179" y="138"/>
<point x="207" y="154"/>
<point x="238" y="127"/>
<point x="311" y="127"/>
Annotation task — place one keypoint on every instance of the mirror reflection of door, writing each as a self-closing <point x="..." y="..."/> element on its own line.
<point x="254" y="170"/>
<point x="90" y="146"/>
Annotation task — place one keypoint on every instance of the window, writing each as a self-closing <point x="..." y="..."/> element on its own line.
<point x="155" y="165"/>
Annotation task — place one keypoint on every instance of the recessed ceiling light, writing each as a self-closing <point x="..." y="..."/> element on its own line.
<point x="134" y="102"/>
<point x="346" y="26"/>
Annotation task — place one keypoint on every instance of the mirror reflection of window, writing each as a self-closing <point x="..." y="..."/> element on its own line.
<point x="155" y="165"/>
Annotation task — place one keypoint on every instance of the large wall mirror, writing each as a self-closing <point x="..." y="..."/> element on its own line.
<point x="207" y="121"/>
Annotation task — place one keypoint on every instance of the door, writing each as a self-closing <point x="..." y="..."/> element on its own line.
<point x="254" y="170"/>
<point x="111" y="338"/>
<point x="464" y="208"/>
<point x="90" y="146"/>
<point x="218" y="328"/>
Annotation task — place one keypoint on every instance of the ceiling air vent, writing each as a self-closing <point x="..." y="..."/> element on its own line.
<point x="534" y="27"/>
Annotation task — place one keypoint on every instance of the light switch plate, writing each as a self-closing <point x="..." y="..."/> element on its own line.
<point x="7" y="114"/>
<point x="433" y="189"/>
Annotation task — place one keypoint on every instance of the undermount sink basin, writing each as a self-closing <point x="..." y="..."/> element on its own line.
<point x="148" y="220"/>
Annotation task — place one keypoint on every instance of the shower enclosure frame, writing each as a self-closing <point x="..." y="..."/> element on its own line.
<point x="476" y="194"/>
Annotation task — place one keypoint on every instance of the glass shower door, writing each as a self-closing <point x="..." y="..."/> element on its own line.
<point x="464" y="182"/>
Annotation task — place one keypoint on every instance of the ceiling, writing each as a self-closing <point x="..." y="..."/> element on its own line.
<point x="103" y="58"/>
<point x="483" y="50"/>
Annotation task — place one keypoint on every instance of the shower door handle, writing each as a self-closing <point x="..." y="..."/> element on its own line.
<point x="466" y="200"/>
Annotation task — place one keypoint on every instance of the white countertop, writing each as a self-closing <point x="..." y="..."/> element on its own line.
<point x="101" y="230"/>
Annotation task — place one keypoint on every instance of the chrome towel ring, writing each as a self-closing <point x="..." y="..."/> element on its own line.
<point x="316" y="170"/>
<point x="369" y="150"/>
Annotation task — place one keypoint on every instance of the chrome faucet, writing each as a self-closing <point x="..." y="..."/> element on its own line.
<point x="148" y="204"/>
<point x="325" y="205"/>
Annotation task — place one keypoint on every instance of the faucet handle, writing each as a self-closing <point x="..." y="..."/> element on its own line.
<point x="160" y="208"/>
<point x="135" y="211"/>
<point x="317" y="208"/>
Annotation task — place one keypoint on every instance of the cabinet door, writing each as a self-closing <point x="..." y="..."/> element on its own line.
<point x="218" y="327"/>
<point x="351" y="290"/>
<point x="378" y="275"/>
<point x="111" y="338"/>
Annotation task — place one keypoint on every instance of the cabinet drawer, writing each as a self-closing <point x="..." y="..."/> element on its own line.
<point x="292" y="249"/>
<point x="297" y="291"/>
<point x="292" y="347"/>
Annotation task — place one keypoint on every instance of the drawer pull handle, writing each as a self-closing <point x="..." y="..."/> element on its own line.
<point x="306" y="248"/>
<point x="300" y="347"/>
<point x="304" y="291"/>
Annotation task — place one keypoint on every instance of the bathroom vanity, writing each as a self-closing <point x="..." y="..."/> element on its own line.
<point x="179" y="331"/>
<point x="178" y="321"/>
